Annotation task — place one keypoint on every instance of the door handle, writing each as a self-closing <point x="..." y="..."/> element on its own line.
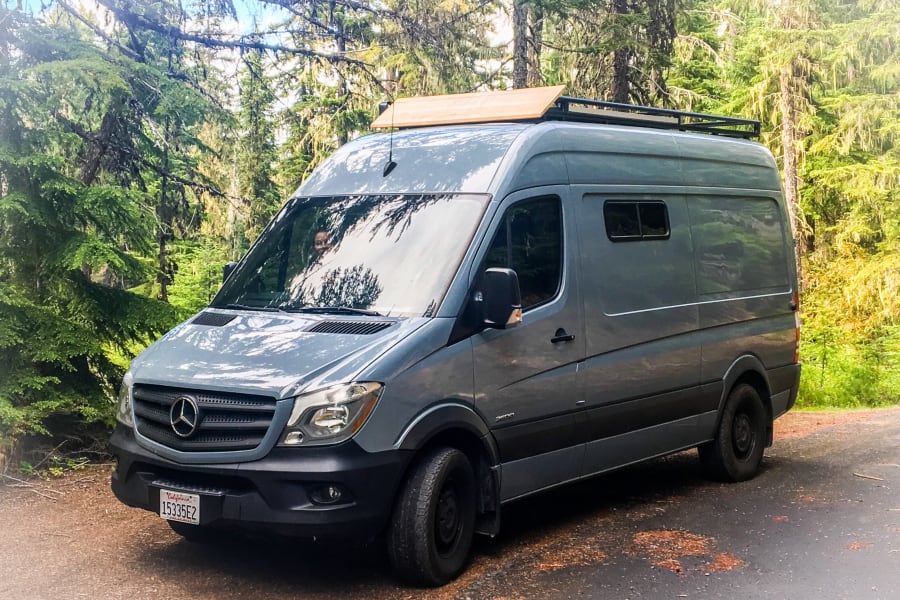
<point x="561" y="336"/>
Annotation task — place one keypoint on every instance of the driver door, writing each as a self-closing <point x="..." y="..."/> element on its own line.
<point x="525" y="376"/>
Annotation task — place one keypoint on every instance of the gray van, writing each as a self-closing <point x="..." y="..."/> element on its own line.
<point x="446" y="319"/>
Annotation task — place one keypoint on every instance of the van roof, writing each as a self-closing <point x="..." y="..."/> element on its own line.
<point x="498" y="158"/>
<point x="548" y="104"/>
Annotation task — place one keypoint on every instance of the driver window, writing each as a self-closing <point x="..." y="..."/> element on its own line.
<point x="529" y="241"/>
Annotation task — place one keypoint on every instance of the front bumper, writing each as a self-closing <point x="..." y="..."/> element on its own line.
<point x="271" y="494"/>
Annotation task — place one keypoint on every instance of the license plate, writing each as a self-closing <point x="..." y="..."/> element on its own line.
<point x="179" y="506"/>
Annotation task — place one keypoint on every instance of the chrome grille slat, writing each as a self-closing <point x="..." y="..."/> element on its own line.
<point x="227" y="422"/>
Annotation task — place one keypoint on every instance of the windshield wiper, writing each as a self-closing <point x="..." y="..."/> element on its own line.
<point x="245" y="307"/>
<point x="332" y="310"/>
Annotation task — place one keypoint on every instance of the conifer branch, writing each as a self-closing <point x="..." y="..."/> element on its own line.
<point x="100" y="33"/>
<point x="240" y="43"/>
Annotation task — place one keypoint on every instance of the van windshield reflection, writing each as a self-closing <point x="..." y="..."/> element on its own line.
<point x="383" y="255"/>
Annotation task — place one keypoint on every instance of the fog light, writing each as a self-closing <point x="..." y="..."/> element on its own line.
<point x="327" y="494"/>
<point x="293" y="438"/>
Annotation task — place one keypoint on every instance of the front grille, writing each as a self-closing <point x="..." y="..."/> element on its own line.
<point x="225" y="421"/>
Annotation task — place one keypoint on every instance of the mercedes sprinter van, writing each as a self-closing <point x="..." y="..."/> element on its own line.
<point x="509" y="292"/>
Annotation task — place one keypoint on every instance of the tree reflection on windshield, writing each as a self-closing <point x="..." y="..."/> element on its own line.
<point x="353" y="287"/>
<point x="394" y="254"/>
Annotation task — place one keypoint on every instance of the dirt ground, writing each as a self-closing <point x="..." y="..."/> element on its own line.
<point x="69" y="537"/>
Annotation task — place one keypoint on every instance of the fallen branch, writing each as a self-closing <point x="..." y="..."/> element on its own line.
<point x="16" y="479"/>
<point x="42" y="494"/>
<point x="31" y="486"/>
<point x="49" y="454"/>
<point x="873" y="478"/>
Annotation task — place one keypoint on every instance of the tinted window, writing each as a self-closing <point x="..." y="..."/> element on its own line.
<point x="393" y="254"/>
<point x="626" y="221"/>
<point x="738" y="244"/>
<point x="529" y="241"/>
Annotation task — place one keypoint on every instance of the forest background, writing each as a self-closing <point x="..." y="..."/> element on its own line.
<point x="143" y="144"/>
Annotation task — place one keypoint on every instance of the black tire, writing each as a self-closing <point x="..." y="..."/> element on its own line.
<point x="737" y="451"/>
<point x="431" y="530"/>
<point x="198" y="534"/>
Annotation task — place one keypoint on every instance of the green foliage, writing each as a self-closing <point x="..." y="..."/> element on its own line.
<point x="199" y="274"/>
<point x="850" y="372"/>
<point x="67" y="234"/>
<point x="257" y="157"/>
<point x="603" y="50"/>
<point x="53" y="465"/>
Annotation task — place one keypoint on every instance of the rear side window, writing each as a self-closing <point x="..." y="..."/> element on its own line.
<point x="529" y="241"/>
<point x="739" y="244"/>
<point x="633" y="221"/>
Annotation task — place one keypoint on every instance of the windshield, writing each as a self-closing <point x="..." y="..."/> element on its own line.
<point x="392" y="255"/>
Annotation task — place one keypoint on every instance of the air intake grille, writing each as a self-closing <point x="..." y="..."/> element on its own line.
<point x="212" y="319"/>
<point x="350" y="327"/>
<point x="223" y="422"/>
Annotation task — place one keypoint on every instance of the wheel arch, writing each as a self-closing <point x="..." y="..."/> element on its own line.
<point x="458" y="426"/>
<point x="750" y="370"/>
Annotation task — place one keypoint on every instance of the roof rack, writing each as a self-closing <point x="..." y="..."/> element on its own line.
<point x="582" y="110"/>
<point x="531" y="105"/>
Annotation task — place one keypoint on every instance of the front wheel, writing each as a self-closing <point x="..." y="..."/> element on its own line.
<point x="736" y="452"/>
<point x="431" y="531"/>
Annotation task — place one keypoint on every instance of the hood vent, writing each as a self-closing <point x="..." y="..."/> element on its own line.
<point x="350" y="327"/>
<point x="212" y="319"/>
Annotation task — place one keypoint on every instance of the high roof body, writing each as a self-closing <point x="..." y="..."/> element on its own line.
<point x="547" y="139"/>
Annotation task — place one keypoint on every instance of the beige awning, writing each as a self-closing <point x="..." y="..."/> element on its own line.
<point x="478" y="107"/>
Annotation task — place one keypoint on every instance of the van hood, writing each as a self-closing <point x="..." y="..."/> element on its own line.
<point x="271" y="354"/>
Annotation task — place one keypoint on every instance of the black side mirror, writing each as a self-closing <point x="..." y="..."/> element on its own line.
<point x="228" y="269"/>
<point x="502" y="299"/>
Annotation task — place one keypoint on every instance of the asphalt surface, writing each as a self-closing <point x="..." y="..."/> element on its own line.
<point x="822" y="521"/>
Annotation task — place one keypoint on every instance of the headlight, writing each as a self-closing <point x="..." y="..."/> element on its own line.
<point x="124" y="415"/>
<point x="330" y="415"/>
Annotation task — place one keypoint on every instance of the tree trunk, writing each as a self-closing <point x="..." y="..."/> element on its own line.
<point x="162" y="267"/>
<point x="535" y="78"/>
<point x="99" y="143"/>
<point x="791" y="150"/>
<point x="520" y="44"/>
<point x="621" y="57"/>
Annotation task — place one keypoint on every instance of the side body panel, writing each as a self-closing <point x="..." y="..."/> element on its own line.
<point x="642" y="366"/>
<point x="525" y="385"/>
<point x="744" y="282"/>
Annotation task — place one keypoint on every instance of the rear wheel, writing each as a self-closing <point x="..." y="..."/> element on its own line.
<point x="737" y="451"/>
<point x="431" y="531"/>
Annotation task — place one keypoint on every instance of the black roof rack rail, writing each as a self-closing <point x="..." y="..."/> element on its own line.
<point x="581" y="110"/>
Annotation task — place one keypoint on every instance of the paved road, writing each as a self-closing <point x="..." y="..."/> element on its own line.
<point x="822" y="521"/>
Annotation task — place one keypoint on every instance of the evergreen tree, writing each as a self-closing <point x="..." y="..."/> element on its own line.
<point x="256" y="159"/>
<point x="73" y="229"/>
<point x="616" y="50"/>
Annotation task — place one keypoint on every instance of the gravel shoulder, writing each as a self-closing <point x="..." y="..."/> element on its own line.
<point x="636" y="533"/>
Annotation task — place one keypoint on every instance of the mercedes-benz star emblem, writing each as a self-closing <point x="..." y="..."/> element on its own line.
<point x="184" y="416"/>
